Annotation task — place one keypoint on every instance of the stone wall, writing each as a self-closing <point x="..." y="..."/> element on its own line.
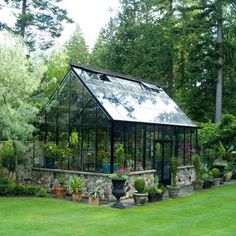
<point x="185" y="175"/>
<point x="49" y="177"/>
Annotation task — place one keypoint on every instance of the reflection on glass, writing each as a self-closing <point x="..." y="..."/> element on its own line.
<point x="134" y="101"/>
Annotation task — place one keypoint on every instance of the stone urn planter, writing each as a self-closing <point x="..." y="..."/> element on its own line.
<point x="197" y="185"/>
<point x="217" y="181"/>
<point x="118" y="190"/>
<point x="140" y="198"/>
<point x="173" y="191"/>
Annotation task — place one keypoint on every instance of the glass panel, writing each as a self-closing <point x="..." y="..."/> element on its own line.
<point x="134" y="101"/>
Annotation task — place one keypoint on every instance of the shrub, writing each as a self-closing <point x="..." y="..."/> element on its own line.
<point x="139" y="185"/>
<point x="197" y="166"/>
<point x="30" y="190"/>
<point x="42" y="192"/>
<point x="153" y="190"/>
<point x="4" y="181"/>
<point x="215" y="172"/>
<point x="173" y="168"/>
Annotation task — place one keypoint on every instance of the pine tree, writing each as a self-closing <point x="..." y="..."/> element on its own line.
<point x="37" y="18"/>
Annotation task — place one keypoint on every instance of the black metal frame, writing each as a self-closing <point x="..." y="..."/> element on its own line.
<point x="147" y="144"/>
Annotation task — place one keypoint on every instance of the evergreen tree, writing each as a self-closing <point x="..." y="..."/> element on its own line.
<point x="37" y="18"/>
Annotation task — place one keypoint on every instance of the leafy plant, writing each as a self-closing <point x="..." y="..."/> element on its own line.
<point x="120" y="174"/>
<point x="139" y="185"/>
<point x="153" y="190"/>
<point x="215" y="173"/>
<point x="197" y="166"/>
<point x="76" y="184"/>
<point x="7" y="159"/>
<point x="96" y="192"/>
<point x="173" y="169"/>
<point x="206" y="175"/>
<point x="120" y="155"/>
<point x="42" y="192"/>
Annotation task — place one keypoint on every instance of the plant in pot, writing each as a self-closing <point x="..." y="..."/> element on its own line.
<point x="155" y="191"/>
<point x="118" y="186"/>
<point x="94" y="196"/>
<point x="197" y="183"/>
<point x="207" y="178"/>
<point x="140" y="197"/>
<point x="228" y="171"/>
<point x="60" y="188"/>
<point x="216" y="175"/>
<point x="173" y="189"/>
<point x="76" y="184"/>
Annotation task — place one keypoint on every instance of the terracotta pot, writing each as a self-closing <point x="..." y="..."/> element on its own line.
<point x="59" y="192"/>
<point x="94" y="201"/>
<point x="76" y="197"/>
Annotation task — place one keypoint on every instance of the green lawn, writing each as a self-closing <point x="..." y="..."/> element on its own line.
<point x="211" y="212"/>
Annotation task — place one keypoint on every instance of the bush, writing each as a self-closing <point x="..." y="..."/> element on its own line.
<point x="153" y="190"/>
<point x="31" y="190"/>
<point x="12" y="189"/>
<point x="4" y="181"/>
<point x="197" y="165"/>
<point x="42" y="192"/>
<point x="139" y="185"/>
<point x="215" y="172"/>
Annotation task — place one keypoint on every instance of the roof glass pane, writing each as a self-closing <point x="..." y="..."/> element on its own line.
<point x="134" y="101"/>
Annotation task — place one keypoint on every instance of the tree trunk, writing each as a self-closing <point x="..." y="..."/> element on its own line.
<point x="16" y="162"/>
<point x="219" y="84"/>
<point x="23" y="23"/>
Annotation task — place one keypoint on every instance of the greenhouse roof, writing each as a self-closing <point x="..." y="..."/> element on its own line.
<point x="129" y="99"/>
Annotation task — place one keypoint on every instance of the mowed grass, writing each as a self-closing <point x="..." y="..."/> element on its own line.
<point x="212" y="212"/>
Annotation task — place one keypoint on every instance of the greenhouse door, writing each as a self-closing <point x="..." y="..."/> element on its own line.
<point x="162" y="156"/>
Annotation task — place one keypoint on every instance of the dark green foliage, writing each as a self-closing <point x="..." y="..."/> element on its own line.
<point x="173" y="168"/>
<point x="139" y="185"/>
<point x="42" y="192"/>
<point x="7" y="159"/>
<point x="36" y="17"/>
<point x="4" y="181"/>
<point x="153" y="190"/>
<point x="17" y="190"/>
<point x="174" y="44"/>
<point x="197" y="166"/>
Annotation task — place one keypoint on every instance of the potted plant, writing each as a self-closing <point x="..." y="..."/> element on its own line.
<point x="59" y="188"/>
<point x="94" y="196"/>
<point x="173" y="188"/>
<point x="155" y="191"/>
<point x="118" y="186"/>
<point x="140" y="197"/>
<point x="228" y="173"/>
<point x="197" y="184"/>
<point x="216" y="175"/>
<point x="207" y="178"/>
<point x="76" y="184"/>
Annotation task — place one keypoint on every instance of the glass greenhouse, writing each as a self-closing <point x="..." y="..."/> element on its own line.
<point x="99" y="122"/>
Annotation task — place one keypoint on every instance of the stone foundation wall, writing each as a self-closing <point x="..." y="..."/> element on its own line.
<point x="185" y="175"/>
<point x="49" y="177"/>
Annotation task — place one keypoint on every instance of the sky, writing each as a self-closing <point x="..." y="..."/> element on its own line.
<point x="91" y="15"/>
